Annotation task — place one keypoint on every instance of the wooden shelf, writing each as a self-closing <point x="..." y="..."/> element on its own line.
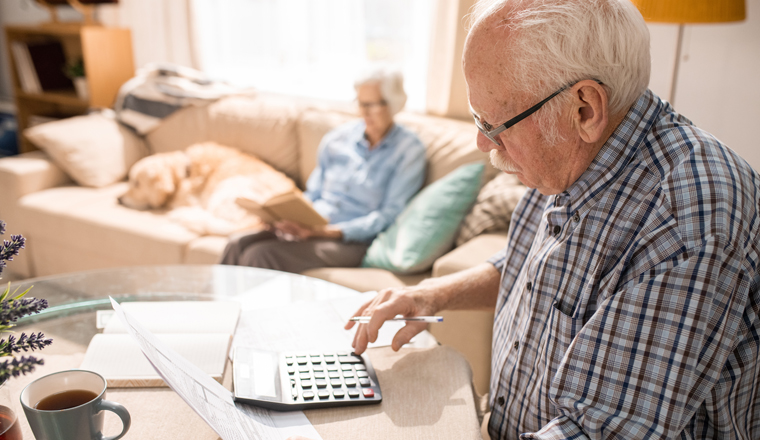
<point x="108" y="63"/>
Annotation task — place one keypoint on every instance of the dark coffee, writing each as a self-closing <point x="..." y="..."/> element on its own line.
<point x="9" y="426"/>
<point x="65" y="400"/>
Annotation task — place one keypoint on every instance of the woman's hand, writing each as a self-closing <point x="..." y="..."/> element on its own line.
<point x="293" y="231"/>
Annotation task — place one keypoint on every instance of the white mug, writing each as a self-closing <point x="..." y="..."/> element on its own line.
<point x="84" y="421"/>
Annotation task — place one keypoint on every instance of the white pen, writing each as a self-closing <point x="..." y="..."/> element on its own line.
<point x="365" y="319"/>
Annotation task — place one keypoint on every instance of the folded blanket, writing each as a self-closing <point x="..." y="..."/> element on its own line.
<point x="158" y="90"/>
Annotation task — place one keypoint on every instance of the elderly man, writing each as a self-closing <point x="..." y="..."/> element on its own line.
<point x="366" y="172"/>
<point x="626" y="300"/>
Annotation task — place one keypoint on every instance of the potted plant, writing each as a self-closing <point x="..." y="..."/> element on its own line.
<point x="75" y="71"/>
<point x="13" y="306"/>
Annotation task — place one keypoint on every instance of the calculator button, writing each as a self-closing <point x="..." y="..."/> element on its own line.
<point x="364" y="382"/>
<point x="334" y="375"/>
<point x="295" y="394"/>
<point x="304" y="376"/>
<point x="362" y="374"/>
<point x="336" y="383"/>
<point x="352" y="393"/>
<point x="346" y="368"/>
<point x="339" y="393"/>
<point x="324" y="394"/>
<point x="291" y="371"/>
<point x="292" y="382"/>
<point x="350" y="360"/>
<point x="304" y="369"/>
<point x="333" y="368"/>
<point x="350" y="382"/>
<point x="308" y="395"/>
<point x="342" y="354"/>
<point x="319" y="375"/>
<point x="301" y="361"/>
<point x="360" y="367"/>
<point x="321" y="383"/>
<point x="289" y="360"/>
<point x="318" y="368"/>
<point x="305" y="384"/>
<point x="368" y="392"/>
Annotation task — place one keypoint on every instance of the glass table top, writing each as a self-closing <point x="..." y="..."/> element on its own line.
<point x="75" y="298"/>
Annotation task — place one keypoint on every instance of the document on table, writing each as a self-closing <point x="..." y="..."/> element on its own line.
<point x="307" y="326"/>
<point x="208" y="398"/>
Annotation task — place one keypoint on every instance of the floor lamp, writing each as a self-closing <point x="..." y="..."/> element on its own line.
<point x="685" y="12"/>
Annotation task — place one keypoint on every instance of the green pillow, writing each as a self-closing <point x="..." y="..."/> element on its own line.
<point x="427" y="227"/>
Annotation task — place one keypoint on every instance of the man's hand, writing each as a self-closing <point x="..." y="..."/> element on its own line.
<point x="292" y="231"/>
<point x="405" y="301"/>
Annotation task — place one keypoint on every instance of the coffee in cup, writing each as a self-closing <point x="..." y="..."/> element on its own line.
<point x="69" y="405"/>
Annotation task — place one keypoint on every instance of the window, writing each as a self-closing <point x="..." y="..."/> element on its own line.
<point x="314" y="47"/>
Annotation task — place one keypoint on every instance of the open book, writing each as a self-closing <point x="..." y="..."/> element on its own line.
<point x="201" y="331"/>
<point x="291" y="206"/>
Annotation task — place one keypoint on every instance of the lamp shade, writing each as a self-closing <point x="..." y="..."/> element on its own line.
<point x="692" y="11"/>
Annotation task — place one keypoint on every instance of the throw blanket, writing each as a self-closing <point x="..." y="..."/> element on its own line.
<point x="158" y="90"/>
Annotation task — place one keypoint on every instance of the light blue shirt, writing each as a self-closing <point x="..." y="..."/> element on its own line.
<point x="362" y="191"/>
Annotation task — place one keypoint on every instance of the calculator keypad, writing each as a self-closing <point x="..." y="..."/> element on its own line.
<point x="328" y="376"/>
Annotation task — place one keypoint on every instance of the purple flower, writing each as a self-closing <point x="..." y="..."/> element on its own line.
<point x="18" y="366"/>
<point x="13" y="309"/>
<point x="24" y="343"/>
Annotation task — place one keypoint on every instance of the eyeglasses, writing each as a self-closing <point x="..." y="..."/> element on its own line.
<point x="490" y="132"/>
<point x="369" y="106"/>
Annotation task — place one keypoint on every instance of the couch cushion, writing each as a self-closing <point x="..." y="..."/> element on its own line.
<point x="77" y="228"/>
<point x="449" y="143"/>
<point x="205" y="250"/>
<point x="476" y="251"/>
<point x="426" y="228"/>
<point x="365" y="279"/>
<point x="493" y="208"/>
<point x="94" y="150"/>
<point x="262" y="125"/>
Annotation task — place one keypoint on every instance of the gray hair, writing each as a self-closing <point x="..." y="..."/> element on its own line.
<point x="560" y="42"/>
<point x="391" y="86"/>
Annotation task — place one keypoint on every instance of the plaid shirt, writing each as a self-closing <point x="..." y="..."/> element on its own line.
<point x="629" y="304"/>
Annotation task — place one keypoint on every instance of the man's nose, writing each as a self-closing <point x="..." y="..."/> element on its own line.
<point x="485" y="145"/>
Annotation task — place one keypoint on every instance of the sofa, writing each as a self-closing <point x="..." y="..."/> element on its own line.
<point x="72" y="220"/>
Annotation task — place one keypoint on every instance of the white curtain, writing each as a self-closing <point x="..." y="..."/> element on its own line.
<point x="310" y="48"/>
<point x="162" y="30"/>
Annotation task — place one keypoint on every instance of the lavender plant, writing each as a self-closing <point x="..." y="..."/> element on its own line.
<point x="12" y="307"/>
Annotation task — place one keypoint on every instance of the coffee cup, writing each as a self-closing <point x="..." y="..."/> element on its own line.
<point x="70" y="405"/>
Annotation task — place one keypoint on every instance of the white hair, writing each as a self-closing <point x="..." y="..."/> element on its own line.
<point x="554" y="43"/>
<point x="391" y="86"/>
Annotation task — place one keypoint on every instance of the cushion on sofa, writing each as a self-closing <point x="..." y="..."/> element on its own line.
<point x="76" y="228"/>
<point x="427" y="227"/>
<point x="94" y="150"/>
<point x="262" y="125"/>
<point x="493" y="208"/>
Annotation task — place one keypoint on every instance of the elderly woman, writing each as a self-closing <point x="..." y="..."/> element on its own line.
<point x="366" y="172"/>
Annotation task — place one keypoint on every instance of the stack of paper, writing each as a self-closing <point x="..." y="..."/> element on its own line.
<point x="200" y="331"/>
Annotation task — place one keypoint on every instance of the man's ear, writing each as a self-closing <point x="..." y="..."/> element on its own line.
<point x="591" y="110"/>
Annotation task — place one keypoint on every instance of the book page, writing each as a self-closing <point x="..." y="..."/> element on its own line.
<point x="294" y="206"/>
<point x="118" y="358"/>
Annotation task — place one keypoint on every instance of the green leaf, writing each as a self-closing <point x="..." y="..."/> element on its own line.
<point x="22" y="294"/>
<point x="5" y="294"/>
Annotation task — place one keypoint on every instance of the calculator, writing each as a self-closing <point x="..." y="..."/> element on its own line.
<point x="287" y="381"/>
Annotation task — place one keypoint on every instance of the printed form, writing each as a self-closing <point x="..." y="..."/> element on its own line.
<point x="208" y="398"/>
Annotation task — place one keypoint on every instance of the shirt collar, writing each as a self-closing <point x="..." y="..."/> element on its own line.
<point x="363" y="143"/>
<point x="614" y="155"/>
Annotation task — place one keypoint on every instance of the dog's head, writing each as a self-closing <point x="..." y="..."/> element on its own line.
<point x="153" y="180"/>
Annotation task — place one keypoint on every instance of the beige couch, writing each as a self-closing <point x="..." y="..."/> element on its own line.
<point x="73" y="228"/>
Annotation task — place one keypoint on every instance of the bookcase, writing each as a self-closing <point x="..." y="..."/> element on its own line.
<point x="108" y="63"/>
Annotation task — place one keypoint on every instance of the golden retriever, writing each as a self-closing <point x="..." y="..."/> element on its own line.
<point x="200" y="185"/>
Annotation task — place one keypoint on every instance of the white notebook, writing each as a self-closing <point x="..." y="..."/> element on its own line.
<point x="200" y="331"/>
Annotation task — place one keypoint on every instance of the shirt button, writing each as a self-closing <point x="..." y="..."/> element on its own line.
<point x="576" y="217"/>
<point x="529" y="286"/>
<point x="501" y="400"/>
<point x="517" y="345"/>
<point x="557" y="229"/>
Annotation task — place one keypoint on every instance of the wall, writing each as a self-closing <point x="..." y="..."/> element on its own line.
<point x="717" y="85"/>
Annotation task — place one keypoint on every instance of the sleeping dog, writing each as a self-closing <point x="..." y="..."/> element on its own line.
<point x="199" y="187"/>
